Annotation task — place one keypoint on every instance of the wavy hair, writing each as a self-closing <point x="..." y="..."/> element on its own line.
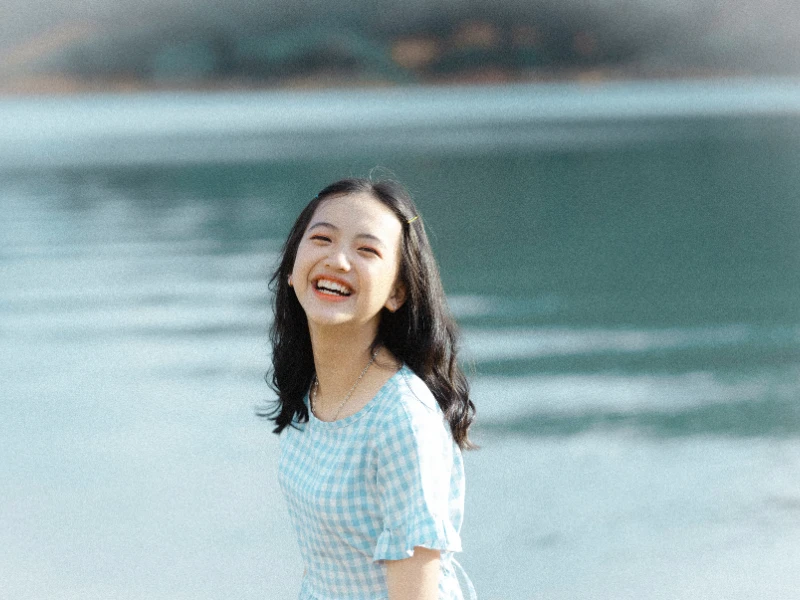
<point x="421" y="333"/>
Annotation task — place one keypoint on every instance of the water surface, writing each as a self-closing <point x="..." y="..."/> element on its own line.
<point x="629" y="312"/>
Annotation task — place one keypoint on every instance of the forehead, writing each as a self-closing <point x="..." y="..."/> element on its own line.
<point x="361" y="212"/>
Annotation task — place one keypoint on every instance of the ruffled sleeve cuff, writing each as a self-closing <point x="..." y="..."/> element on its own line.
<point x="399" y="543"/>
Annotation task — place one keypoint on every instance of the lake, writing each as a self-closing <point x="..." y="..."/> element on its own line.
<point x="623" y="260"/>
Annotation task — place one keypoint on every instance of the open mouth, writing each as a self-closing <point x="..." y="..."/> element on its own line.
<point x="335" y="288"/>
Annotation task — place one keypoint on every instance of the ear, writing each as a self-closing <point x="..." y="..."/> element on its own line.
<point x="397" y="297"/>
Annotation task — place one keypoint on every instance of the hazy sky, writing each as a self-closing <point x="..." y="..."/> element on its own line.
<point x="755" y="32"/>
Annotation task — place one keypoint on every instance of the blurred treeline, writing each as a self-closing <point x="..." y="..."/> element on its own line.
<point x="201" y="43"/>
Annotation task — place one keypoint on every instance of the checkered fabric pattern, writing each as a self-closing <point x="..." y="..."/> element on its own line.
<point x="372" y="486"/>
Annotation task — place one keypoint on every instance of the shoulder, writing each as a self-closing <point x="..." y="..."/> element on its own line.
<point x="410" y="411"/>
<point x="408" y="397"/>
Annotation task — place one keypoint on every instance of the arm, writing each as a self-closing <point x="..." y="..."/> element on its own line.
<point x="415" y="578"/>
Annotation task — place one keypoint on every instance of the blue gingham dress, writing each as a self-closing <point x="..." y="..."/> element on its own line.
<point x="372" y="486"/>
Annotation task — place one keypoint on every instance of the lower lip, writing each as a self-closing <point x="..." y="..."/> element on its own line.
<point x="329" y="297"/>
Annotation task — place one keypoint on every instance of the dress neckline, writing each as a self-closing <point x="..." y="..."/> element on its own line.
<point x="349" y="419"/>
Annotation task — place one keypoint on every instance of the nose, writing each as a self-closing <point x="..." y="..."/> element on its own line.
<point x="337" y="259"/>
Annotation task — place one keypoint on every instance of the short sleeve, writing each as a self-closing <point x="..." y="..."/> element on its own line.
<point x="415" y="467"/>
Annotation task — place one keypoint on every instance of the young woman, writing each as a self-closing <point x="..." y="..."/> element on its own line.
<point x="373" y="409"/>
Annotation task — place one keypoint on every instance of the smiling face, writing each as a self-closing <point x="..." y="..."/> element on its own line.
<point x="347" y="263"/>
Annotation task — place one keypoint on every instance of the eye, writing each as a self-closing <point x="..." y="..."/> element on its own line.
<point x="320" y="237"/>
<point x="370" y="250"/>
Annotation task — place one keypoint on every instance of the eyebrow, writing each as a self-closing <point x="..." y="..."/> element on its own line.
<point x="368" y="236"/>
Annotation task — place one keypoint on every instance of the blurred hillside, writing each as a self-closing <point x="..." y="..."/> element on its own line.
<point x="56" y="46"/>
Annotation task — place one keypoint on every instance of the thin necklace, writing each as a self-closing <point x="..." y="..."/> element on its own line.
<point x="314" y="396"/>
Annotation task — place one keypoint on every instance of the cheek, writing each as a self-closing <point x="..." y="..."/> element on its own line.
<point x="387" y="281"/>
<point x="302" y="261"/>
<point x="299" y="277"/>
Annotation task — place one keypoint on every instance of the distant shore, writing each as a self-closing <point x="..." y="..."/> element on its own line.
<point x="63" y="85"/>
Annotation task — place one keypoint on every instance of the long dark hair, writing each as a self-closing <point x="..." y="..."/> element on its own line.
<point x="421" y="333"/>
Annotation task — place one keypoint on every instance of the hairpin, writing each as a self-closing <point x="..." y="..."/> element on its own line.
<point x="410" y="221"/>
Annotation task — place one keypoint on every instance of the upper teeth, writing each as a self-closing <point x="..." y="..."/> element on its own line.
<point x="333" y="286"/>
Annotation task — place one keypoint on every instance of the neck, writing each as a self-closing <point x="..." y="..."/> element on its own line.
<point x="339" y="358"/>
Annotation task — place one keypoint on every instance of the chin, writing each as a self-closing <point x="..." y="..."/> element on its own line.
<point x="330" y="319"/>
<point x="340" y="320"/>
